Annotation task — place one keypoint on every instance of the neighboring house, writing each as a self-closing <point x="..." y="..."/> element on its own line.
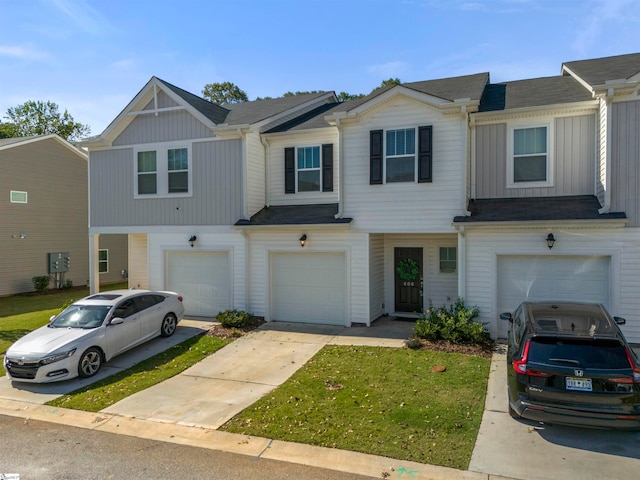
<point x="306" y="209"/>
<point x="44" y="213"/>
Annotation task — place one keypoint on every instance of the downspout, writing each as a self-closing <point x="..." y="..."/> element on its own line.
<point x="340" y="172"/>
<point x="247" y="276"/>
<point x="472" y="161"/>
<point x="462" y="263"/>
<point x="267" y="173"/>
<point x="607" y="154"/>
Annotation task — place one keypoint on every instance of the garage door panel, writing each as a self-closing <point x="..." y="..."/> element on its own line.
<point x="556" y="278"/>
<point x="308" y="287"/>
<point x="203" y="279"/>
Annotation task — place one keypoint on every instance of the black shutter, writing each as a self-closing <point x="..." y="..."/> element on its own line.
<point x="375" y="157"/>
<point x="425" y="156"/>
<point x="290" y="170"/>
<point x="327" y="167"/>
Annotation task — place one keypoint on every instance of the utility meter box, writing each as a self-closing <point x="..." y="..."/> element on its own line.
<point x="59" y="262"/>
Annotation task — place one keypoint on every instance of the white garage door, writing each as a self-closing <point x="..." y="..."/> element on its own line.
<point x="308" y="288"/>
<point x="556" y="278"/>
<point x="203" y="279"/>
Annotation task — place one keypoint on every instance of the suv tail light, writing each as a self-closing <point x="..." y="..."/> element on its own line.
<point x="520" y="366"/>
<point x="634" y="367"/>
<point x="180" y="298"/>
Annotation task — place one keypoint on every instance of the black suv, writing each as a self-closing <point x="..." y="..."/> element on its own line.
<point x="569" y="363"/>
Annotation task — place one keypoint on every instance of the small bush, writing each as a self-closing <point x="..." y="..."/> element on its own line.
<point x="40" y="282"/>
<point x="235" y="319"/>
<point x="454" y="324"/>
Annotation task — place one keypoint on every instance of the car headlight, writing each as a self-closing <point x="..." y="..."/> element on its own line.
<point x="57" y="357"/>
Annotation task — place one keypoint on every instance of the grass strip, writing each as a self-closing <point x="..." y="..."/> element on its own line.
<point x="145" y="374"/>
<point x="382" y="401"/>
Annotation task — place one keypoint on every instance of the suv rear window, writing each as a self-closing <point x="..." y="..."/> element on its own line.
<point x="600" y="354"/>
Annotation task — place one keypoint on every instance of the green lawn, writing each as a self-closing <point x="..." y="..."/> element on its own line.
<point x="382" y="401"/>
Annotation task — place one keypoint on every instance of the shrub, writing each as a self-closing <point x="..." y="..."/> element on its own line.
<point x="454" y="324"/>
<point x="235" y="319"/>
<point x="40" y="282"/>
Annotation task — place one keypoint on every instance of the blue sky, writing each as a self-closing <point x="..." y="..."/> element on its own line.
<point x="91" y="57"/>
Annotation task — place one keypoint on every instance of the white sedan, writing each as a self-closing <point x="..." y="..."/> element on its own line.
<point x="90" y="332"/>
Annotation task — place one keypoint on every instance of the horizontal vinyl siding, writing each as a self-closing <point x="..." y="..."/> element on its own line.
<point x="54" y="219"/>
<point x="354" y="247"/>
<point x="255" y="173"/>
<point x="625" y="160"/>
<point x="218" y="239"/>
<point x="406" y="206"/>
<point x="276" y="168"/>
<point x="622" y="245"/>
<point x="217" y="189"/>
<point x="574" y="160"/>
<point x="118" y="257"/>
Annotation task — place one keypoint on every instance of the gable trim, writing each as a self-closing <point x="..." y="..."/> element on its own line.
<point x="50" y="136"/>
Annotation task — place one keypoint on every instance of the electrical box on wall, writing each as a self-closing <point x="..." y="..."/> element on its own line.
<point x="59" y="262"/>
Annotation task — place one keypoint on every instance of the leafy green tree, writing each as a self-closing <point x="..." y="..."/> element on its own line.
<point x="344" y="96"/>
<point x="388" y="82"/>
<point x="7" y="130"/>
<point x="224" y="92"/>
<point x="42" y="118"/>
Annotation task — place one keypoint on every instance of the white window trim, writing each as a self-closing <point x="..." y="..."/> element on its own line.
<point x="162" y="170"/>
<point x="385" y="156"/>
<point x="103" y="261"/>
<point x="455" y="270"/>
<point x="13" y="200"/>
<point x="319" y="169"/>
<point x="512" y="126"/>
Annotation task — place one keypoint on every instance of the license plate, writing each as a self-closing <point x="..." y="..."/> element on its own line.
<point x="580" y="384"/>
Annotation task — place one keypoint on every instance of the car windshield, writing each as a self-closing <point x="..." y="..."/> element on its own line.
<point x="81" y="316"/>
<point x="600" y="354"/>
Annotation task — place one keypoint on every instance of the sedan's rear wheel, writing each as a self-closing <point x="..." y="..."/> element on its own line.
<point x="169" y="324"/>
<point x="90" y="363"/>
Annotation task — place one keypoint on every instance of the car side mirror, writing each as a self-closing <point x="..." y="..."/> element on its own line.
<point x="116" y="321"/>
<point x="52" y="318"/>
<point x="620" y="320"/>
<point x="506" y="316"/>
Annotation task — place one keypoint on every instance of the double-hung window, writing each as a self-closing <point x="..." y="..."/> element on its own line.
<point x="308" y="167"/>
<point x="448" y="259"/>
<point x="529" y="163"/>
<point x="400" y="155"/>
<point x="103" y="261"/>
<point x="162" y="171"/>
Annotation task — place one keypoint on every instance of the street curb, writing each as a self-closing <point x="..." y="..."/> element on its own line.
<point x="321" y="457"/>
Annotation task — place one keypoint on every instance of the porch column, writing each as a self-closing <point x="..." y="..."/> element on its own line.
<point x="94" y="271"/>
<point x="462" y="264"/>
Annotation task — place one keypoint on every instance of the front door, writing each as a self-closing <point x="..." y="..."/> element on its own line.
<point x="407" y="267"/>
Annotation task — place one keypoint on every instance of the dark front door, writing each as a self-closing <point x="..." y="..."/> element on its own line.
<point x="407" y="267"/>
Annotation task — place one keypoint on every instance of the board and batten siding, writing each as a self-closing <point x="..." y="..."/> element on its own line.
<point x="217" y="189"/>
<point x="573" y="151"/>
<point x="621" y="245"/>
<point x="276" y="167"/>
<point x="354" y="246"/>
<point x="405" y="206"/>
<point x="54" y="219"/>
<point x="625" y="160"/>
<point x="171" y="126"/>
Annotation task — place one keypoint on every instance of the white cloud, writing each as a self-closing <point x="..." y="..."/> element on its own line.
<point x="604" y="17"/>
<point x="389" y="69"/>
<point x="87" y="18"/>
<point x="21" y="52"/>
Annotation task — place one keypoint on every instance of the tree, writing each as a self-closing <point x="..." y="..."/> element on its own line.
<point x="7" y="130"/>
<point x="388" y="82"/>
<point x="42" y="118"/>
<point x="344" y="96"/>
<point x="225" y="92"/>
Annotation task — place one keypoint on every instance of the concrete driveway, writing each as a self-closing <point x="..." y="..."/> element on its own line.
<point x="528" y="450"/>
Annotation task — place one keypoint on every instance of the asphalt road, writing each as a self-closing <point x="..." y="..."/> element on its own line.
<point x="39" y="450"/>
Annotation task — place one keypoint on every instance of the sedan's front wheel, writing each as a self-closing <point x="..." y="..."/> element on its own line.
<point x="90" y="363"/>
<point x="169" y="324"/>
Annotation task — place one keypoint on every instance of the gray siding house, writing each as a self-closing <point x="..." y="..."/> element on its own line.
<point x="43" y="192"/>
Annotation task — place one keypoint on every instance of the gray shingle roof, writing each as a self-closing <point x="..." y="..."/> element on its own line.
<point x="245" y="112"/>
<point x="598" y="70"/>
<point x="323" y="214"/>
<point x="580" y="207"/>
<point x="532" y="93"/>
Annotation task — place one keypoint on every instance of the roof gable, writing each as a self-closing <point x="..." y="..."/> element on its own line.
<point x="599" y="71"/>
<point x="17" y="142"/>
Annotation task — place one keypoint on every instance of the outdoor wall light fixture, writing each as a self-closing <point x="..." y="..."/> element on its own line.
<point x="303" y="239"/>
<point x="192" y="240"/>
<point x="550" y="240"/>
<point x="23" y="235"/>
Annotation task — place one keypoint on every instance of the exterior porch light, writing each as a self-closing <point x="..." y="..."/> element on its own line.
<point x="303" y="239"/>
<point x="192" y="240"/>
<point x="550" y="240"/>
